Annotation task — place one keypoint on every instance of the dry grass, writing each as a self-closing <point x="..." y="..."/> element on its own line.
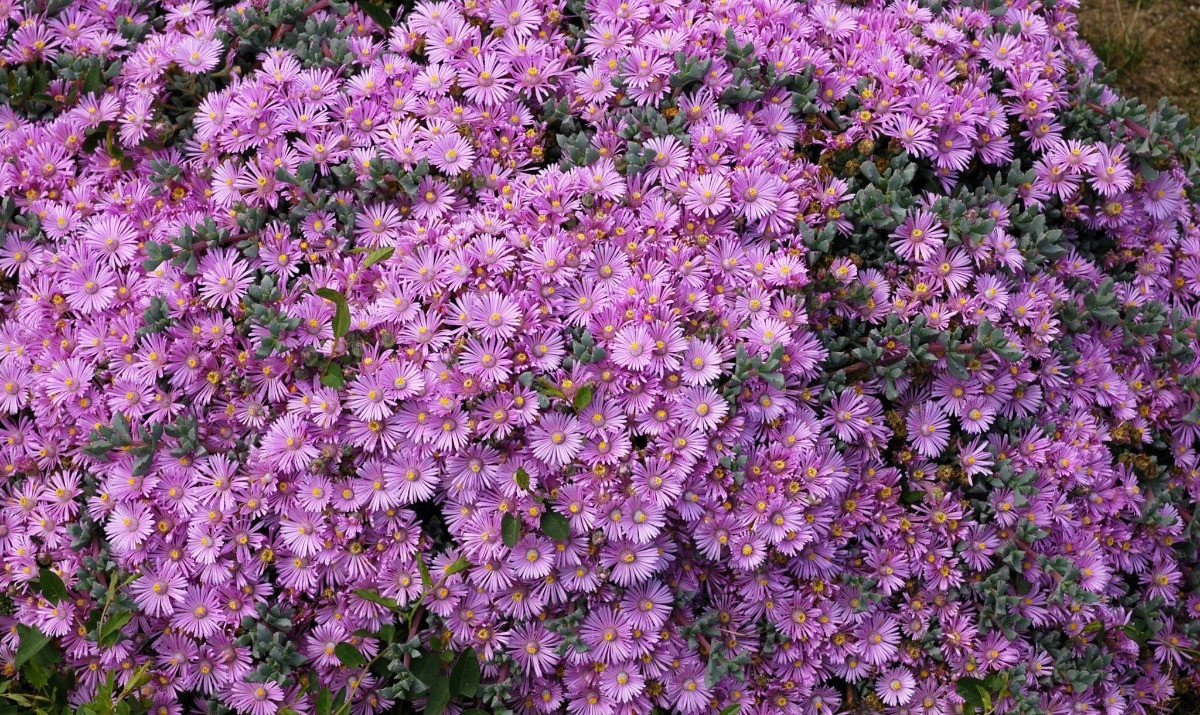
<point x="1152" y="45"/>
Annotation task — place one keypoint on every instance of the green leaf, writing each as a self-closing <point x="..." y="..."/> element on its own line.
<point x="379" y="254"/>
<point x="143" y="463"/>
<point x="510" y="530"/>
<point x="388" y="603"/>
<point x="459" y="565"/>
<point x="376" y="13"/>
<point x="974" y="693"/>
<point x="52" y="586"/>
<point x="555" y="525"/>
<point x="426" y="579"/>
<point x="1137" y="634"/>
<point x="732" y="709"/>
<point x="464" y="678"/>
<point x="439" y="697"/>
<point x="341" y="318"/>
<point x="31" y="643"/>
<point x="427" y="668"/>
<point x="350" y="656"/>
<point x="549" y="389"/>
<point x="522" y="477"/>
<point x="120" y="427"/>
<point x="996" y="682"/>
<point x="324" y="702"/>
<point x="333" y="376"/>
<point x="37" y="674"/>
<point x="110" y="630"/>
<point x="583" y="398"/>
<point x="93" y="80"/>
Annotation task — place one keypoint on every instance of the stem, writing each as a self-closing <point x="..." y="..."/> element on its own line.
<point x="227" y="241"/>
<point x="345" y="706"/>
<point x="414" y="625"/>
<point x="1133" y="126"/>
<point x="829" y="123"/>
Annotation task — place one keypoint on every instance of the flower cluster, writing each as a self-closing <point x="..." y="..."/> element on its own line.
<point x="769" y="357"/>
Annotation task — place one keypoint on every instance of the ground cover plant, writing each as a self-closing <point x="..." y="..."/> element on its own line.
<point x="600" y="356"/>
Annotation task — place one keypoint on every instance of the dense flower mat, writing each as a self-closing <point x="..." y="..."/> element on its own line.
<point x="607" y="357"/>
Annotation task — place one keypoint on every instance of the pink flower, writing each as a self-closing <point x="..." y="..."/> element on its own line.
<point x="632" y="347"/>
<point x="198" y="55"/>
<point x="255" y="698"/>
<point x="224" y="279"/>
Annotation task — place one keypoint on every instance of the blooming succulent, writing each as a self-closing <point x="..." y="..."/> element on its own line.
<point x="600" y="356"/>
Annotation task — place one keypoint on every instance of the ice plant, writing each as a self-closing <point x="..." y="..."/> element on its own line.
<point x="592" y="357"/>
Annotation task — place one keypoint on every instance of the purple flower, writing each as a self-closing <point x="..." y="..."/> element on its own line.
<point x="451" y="153"/>
<point x="919" y="236"/>
<point x="707" y="195"/>
<point x="1110" y="174"/>
<point x="128" y="526"/>
<point x="895" y="686"/>
<point x="928" y="429"/>
<point x="556" y="439"/>
<point x="879" y="638"/>
<point x="157" y="594"/>
<point x="534" y="648"/>
<point x="607" y="635"/>
<point x="199" y="614"/>
<point x="288" y="443"/>
<point x="255" y="698"/>
<point x="607" y="273"/>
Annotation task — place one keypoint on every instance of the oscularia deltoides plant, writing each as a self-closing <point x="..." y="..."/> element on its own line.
<point x="600" y="357"/>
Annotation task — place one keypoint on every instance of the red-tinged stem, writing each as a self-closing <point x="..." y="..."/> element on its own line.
<point x="1132" y="126"/>
<point x="285" y="28"/>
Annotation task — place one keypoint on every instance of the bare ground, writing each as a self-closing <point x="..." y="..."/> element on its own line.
<point x="1152" y="45"/>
